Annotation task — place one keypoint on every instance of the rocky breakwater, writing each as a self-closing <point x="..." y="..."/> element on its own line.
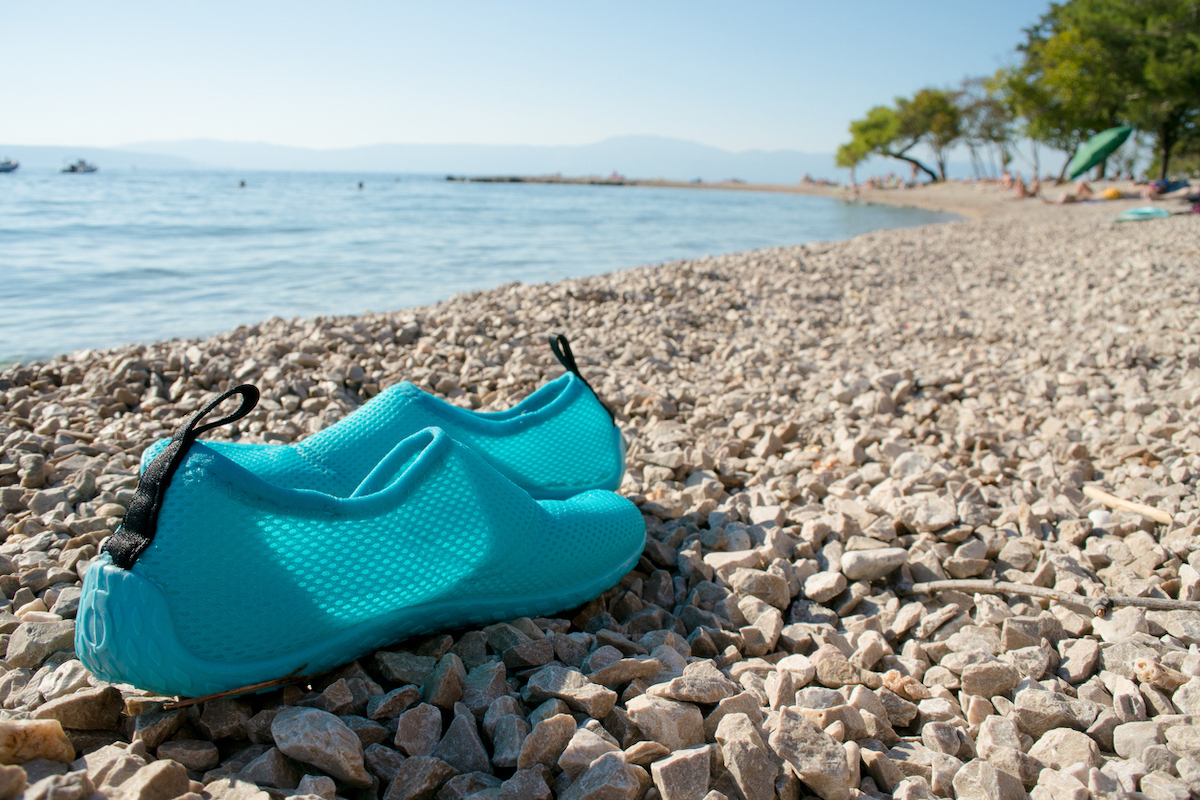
<point x="812" y="430"/>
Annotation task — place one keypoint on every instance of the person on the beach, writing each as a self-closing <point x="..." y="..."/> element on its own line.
<point x="1082" y="192"/>
<point x="1167" y="190"/>
<point x="1022" y="191"/>
<point x="1019" y="189"/>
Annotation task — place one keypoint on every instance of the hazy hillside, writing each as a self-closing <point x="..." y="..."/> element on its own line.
<point x="634" y="156"/>
<point x="40" y="158"/>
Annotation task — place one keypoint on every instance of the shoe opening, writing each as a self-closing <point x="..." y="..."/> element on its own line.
<point x="396" y="463"/>
<point x="543" y="397"/>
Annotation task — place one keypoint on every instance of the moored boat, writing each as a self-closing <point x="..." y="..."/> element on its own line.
<point x="80" y="166"/>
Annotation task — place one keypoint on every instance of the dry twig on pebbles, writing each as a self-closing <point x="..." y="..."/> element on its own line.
<point x="1112" y="501"/>
<point x="287" y="680"/>
<point x="1097" y="605"/>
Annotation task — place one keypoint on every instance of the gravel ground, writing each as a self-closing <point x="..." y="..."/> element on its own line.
<point x="812" y="431"/>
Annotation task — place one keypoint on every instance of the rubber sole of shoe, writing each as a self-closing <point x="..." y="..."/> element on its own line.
<point x="124" y="632"/>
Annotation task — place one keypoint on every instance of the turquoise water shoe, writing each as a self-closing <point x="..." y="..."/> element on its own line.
<point x="219" y="579"/>
<point x="556" y="443"/>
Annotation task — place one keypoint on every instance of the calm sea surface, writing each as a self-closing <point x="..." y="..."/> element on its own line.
<point x="90" y="261"/>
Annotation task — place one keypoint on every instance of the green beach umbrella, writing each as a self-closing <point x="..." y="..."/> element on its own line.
<point x="1097" y="148"/>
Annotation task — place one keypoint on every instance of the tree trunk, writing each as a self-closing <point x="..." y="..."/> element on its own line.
<point x="912" y="161"/>
<point x="1166" y="141"/>
<point x="1062" y="174"/>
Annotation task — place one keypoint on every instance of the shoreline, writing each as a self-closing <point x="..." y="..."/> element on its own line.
<point x="969" y="199"/>
<point x="971" y="202"/>
<point x="404" y="244"/>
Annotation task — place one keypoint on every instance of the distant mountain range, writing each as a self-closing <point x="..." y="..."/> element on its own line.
<point x="41" y="158"/>
<point x="632" y="156"/>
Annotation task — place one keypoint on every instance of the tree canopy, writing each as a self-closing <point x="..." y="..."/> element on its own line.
<point x="930" y="117"/>
<point x="849" y="155"/>
<point x="1085" y="66"/>
<point x="1094" y="64"/>
<point x="987" y="124"/>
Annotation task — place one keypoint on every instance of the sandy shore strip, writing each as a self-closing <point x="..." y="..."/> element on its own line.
<point x="813" y="430"/>
<point x="971" y="199"/>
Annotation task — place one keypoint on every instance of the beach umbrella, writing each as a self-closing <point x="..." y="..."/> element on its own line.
<point x="1096" y="149"/>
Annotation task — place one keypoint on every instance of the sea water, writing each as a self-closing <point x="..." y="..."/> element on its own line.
<point x="113" y="257"/>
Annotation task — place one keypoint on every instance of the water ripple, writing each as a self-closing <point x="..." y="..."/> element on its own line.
<point x="104" y="259"/>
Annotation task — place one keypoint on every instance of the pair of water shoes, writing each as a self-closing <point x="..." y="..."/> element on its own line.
<point x="238" y="563"/>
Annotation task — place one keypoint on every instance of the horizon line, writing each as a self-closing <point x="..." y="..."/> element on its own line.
<point x="128" y="145"/>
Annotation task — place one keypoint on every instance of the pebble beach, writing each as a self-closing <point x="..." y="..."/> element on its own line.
<point x="813" y="431"/>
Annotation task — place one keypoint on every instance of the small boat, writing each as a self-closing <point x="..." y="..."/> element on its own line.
<point x="79" y="166"/>
<point x="9" y="165"/>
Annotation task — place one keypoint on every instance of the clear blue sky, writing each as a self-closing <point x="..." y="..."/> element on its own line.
<point x="769" y="75"/>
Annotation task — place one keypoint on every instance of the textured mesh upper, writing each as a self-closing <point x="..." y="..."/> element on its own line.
<point x="254" y="572"/>
<point x="284" y="466"/>
<point x="557" y="451"/>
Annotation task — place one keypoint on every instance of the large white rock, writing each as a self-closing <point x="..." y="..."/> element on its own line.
<point x="870" y="565"/>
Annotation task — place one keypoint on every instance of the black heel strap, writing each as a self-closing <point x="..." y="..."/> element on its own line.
<point x="562" y="351"/>
<point x="141" y="517"/>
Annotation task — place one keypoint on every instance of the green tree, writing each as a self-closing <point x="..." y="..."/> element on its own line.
<point x="1065" y="88"/>
<point x="849" y="156"/>
<point x="1041" y="117"/>
<point x="930" y="117"/>
<point x="987" y="124"/>
<point x="1165" y="75"/>
<point x="1094" y="64"/>
<point x="933" y="117"/>
<point x="1185" y="156"/>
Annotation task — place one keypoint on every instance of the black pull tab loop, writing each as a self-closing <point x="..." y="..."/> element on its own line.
<point x="141" y="517"/>
<point x="562" y="351"/>
<point x="250" y="397"/>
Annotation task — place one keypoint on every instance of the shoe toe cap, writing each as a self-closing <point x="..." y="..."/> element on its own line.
<point x="601" y="528"/>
